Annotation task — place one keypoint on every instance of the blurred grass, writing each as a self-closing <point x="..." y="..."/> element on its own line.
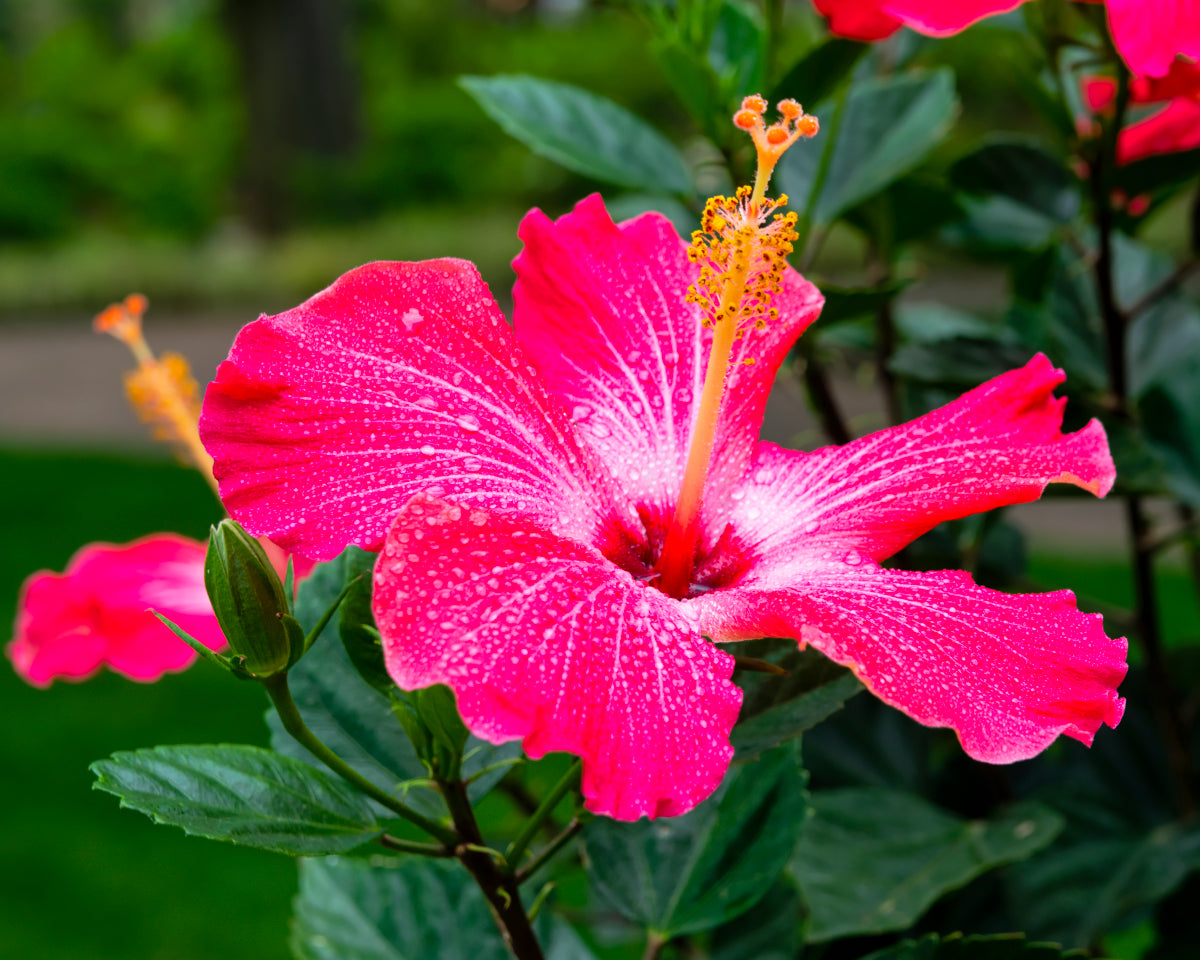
<point x="84" y="878"/>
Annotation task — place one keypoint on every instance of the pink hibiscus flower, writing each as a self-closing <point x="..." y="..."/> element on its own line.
<point x="95" y="614"/>
<point x="1149" y="34"/>
<point x="533" y="491"/>
<point x="1173" y="128"/>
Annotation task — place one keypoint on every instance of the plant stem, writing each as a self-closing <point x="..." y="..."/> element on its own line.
<point x="410" y="846"/>
<point x="773" y="15"/>
<point x="533" y="866"/>
<point x="829" y="132"/>
<point x="293" y="723"/>
<point x="1156" y="293"/>
<point x="820" y="394"/>
<point x="654" y="947"/>
<point x="516" y="849"/>
<point x="1141" y="546"/>
<point x="499" y="886"/>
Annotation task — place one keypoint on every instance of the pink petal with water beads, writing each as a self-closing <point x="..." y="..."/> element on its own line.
<point x="96" y="613"/>
<point x="397" y="379"/>
<point x="997" y="445"/>
<point x="1009" y="673"/>
<point x="543" y="639"/>
<point x="600" y="310"/>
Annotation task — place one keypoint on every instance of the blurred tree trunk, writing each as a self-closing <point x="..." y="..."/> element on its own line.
<point x="299" y="92"/>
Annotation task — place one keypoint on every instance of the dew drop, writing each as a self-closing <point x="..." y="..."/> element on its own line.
<point x="471" y="465"/>
<point x="410" y="320"/>
<point x="579" y="413"/>
<point x="428" y="451"/>
<point x="469" y="423"/>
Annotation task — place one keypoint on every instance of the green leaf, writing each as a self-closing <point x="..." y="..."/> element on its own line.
<point x="737" y="50"/>
<point x="242" y="794"/>
<point x="776" y="709"/>
<point x="351" y="718"/>
<point x="408" y="909"/>
<point x="849" y="303"/>
<point x="1158" y="174"/>
<point x="770" y="930"/>
<point x="690" y="873"/>
<point x="888" y="127"/>
<point x="872" y="860"/>
<point x="1002" y="946"/>
<point x="581" y="131"/>
<point x="817" y="74"/>
<point x="356" y="621"/>
<point x="1122" y="850"/>
<point x="1019" y="169"/>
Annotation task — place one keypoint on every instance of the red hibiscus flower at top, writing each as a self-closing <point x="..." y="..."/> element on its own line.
<point x="1149" y="34"/>
<point x="523" y="485"/>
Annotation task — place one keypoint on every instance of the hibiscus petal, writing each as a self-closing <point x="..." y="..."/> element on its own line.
<point x="937" y="18"/>
<point x="400" y="378"/>
<point x="997" y="445"/>
<point x="600" y="310"/>
<point x="541" y="638"/>
<point x="96" y="613"/>
<point x="1150" y="33"/>
<point x="1008" y="673"/>
<point x="862" y="20"/>
<point x="1175" y="127"/>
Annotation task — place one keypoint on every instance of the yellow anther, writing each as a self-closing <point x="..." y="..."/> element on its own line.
<point x="161" y="390"/>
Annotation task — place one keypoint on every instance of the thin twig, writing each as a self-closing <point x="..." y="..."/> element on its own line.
<point x="1160" y="290"/>
<point x="543" y="856"/>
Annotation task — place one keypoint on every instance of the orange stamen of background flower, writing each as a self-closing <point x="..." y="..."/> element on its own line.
<point x="161" y="389"/>
<point x="742" y="247"/>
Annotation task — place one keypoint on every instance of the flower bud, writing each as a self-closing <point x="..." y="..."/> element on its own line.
<point x="250" y="602"/>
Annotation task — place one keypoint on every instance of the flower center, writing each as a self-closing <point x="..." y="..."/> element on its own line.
<point x="741" y="247"/>
<point x="161" y="389"/>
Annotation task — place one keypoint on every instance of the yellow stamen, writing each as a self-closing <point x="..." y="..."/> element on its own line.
<point x="161" y="390"/>
<point x="742" y="247"/>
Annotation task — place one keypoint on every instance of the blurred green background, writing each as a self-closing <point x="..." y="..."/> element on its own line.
<point x="228" y="157"/>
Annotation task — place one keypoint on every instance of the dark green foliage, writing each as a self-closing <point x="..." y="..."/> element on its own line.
<point x="888" y="127"/>
<point x="872" y="860"/>
<point x="243" y="794"/>
<point x="586" y="133"/>
<point x="956" y="947"/>
<point x="686" y="874"/>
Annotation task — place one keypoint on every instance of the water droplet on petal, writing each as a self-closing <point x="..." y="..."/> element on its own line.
<point x="579" y="412"/>
<point x="471" y="465"/>
<point x="469" y="423"/>
<point x="410" y="320"/>
<point x="811" y="527"/>
<point x="427" y="450"/>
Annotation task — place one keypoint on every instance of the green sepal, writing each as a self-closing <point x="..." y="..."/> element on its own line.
<point x="249" y="601"/>
<point x="208" y="654"/>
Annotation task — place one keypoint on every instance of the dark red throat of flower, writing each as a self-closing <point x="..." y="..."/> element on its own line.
<point x="741" y="249"/>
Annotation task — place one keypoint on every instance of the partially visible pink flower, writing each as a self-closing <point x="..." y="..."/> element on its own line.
<point x="1149" y="34"/>
<point x="519" y="483"/>
<point x="97" y="612"/>
<point x="1173" y="128"/>
<point x="870" y="20"/>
